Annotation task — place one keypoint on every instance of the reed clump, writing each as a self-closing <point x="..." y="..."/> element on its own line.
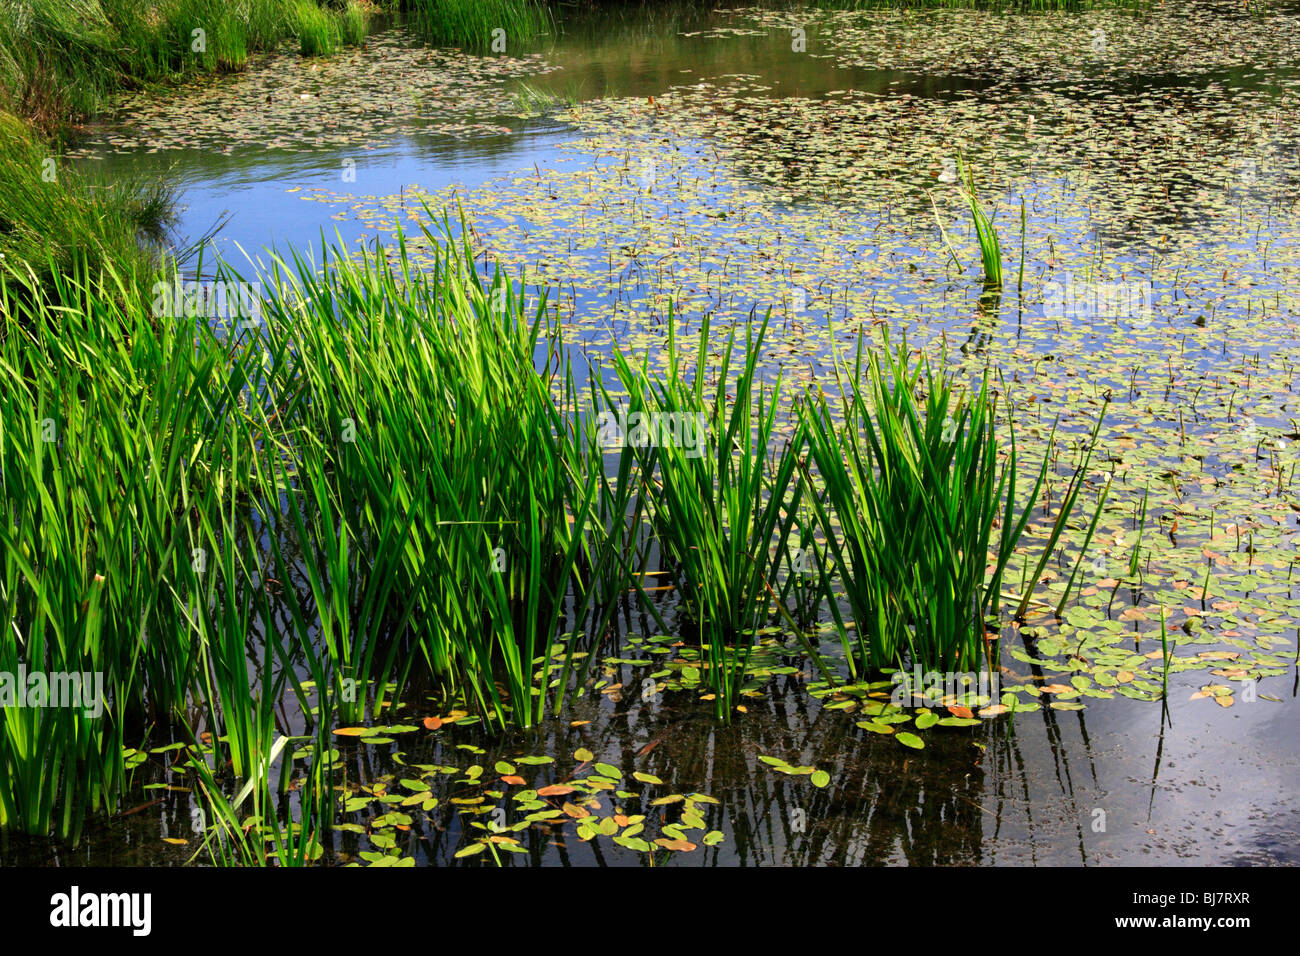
<point x="914" y="492"/>
<point x="499" y="26"/>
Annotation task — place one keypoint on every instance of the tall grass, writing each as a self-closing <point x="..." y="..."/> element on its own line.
<point x="57" y="219"/>
<point x="473" y="23"/>
<point x="63" y="60"/>
<point x="317" y="30"/>
<point x="431" y="449"/>
<point x="914" y="492"/>
<point x="111" y="426"/>
<point x="986" y="236"/>
<point x="354" y="23"/>
<point x="268" y="833"/>
<point x="720" y="509"/>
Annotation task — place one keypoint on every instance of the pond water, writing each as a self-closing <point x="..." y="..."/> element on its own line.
<point x="732" y="161"/>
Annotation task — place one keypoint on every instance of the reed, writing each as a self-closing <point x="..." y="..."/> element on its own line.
<point x="476" y="24"/>
<point x="986" y="236"/>
<point x="914" y="492"/>
<point x="354" y="24"/>
<point x="269" y="832"/>
<point x="720" y="509"/>
<point x="412" y="383"/>
<point x="390" y="480"/>
<point x="111" y="425"/>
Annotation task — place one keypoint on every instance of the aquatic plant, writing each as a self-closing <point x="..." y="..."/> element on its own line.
<point x="271" y="832"/>
<point x="915" y="493"/>
<point x="478" y="24"/>
<point x="354" y="25"/>
<point x="986" y="236"/>
<point x="112" y="425"/>
<point x="58" y="220"/>
<point x="719" y="508"/>
<point x="411" y="384"/>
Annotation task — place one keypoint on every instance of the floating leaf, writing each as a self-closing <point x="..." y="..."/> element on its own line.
<point x="556" y="790"/>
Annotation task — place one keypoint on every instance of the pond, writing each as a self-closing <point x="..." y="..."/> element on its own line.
<point x="1141" y="173"/>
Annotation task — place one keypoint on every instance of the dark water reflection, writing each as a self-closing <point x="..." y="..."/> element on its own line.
<point x="1213" y="788"/>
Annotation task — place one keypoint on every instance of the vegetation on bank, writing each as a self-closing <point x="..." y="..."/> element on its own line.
<point x="52" y="217"/>
<point x="477" y="23"/>
<point x="62" y="61"/>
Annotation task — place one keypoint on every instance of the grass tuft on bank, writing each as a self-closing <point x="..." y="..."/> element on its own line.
<point x="62" y="60"/>
<point x="54" y="219"/>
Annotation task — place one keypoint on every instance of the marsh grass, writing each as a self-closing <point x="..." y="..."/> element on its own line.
<point x="259" y="825"/>
<point x="63" y="60"/>
<point x="720" y="509"/>
<point x="384" y="482"/>
<point x="110" y="424"/>
<point x="58" y="220"/>
<point x="470" y="23"/>
<point x="354" y="24"/>
<point x="317" y="29"/>
<point x="914" y="493"/>
<point x="986" y="237"/>
<point x="413" y="383"/>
